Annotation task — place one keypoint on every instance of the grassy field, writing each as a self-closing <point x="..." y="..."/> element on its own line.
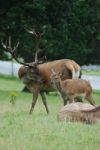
<point x="39" y="131"/>
<point x="97" y="73"/>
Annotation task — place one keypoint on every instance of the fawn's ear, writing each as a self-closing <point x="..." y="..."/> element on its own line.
<point x="53" y="71"/>
<point x="59" y="74"/>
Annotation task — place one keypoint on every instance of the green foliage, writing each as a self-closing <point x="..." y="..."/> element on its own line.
<point x="72" y="28"/>
<point x="8" y="83"/>
<point x="13" y="97"/>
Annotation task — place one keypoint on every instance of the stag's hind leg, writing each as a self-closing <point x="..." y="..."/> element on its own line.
<point x="44" y="101"/>
<point x="35" y="97"/>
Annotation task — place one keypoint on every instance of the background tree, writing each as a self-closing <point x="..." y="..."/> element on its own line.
<point x="71" y="28"/>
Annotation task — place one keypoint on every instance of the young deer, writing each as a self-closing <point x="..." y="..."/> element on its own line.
<point x="71" y="89"/>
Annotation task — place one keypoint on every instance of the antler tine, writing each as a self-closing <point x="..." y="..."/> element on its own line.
<point x="33" y="32"/>
<point x="10" y="43"/>
<point x="37" y="38"/>
<point x="15" y="47"/>
<point x="7" y="47"/>
<point x="12" y="51"/>
<point x="41" y="34"/>
<point x="36" y="57"/>
<point x="37" y="34"/>
<point x="4" y="45"/>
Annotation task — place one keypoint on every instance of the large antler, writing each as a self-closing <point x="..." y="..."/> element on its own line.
<point x="7" y="46"/>
<point x="39" y="51"/>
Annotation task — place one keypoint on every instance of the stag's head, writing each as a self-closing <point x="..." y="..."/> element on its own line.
<point x="29" y="69"/>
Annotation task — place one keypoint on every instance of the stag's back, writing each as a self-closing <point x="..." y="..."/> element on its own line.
<point x="45" y="71"/>
<point x="62" y="66"/>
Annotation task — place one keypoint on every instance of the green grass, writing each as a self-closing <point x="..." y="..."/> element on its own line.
<point x="97" y="73"/>
<point x="8" y="83"/>
<point x="39" y="131"/>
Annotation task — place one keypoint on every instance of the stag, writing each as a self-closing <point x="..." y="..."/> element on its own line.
<point x="36" y="75"/>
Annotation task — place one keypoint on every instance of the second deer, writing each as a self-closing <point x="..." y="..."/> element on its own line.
<point x="71" y="89"/>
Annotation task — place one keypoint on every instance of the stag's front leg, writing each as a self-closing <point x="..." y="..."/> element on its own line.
<point x="35" y="97"/>
<point x="44" y="101"/>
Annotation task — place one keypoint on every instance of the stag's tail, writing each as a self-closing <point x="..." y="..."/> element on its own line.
<point x="76" y="74"/>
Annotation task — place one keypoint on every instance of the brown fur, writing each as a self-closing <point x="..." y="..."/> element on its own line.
<point x="73" y="88"/>
<point x="80" y="112"/>
<point x="36" y="76"/>
<point x="63" y="65"/>
<point x="39" y="81"/>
